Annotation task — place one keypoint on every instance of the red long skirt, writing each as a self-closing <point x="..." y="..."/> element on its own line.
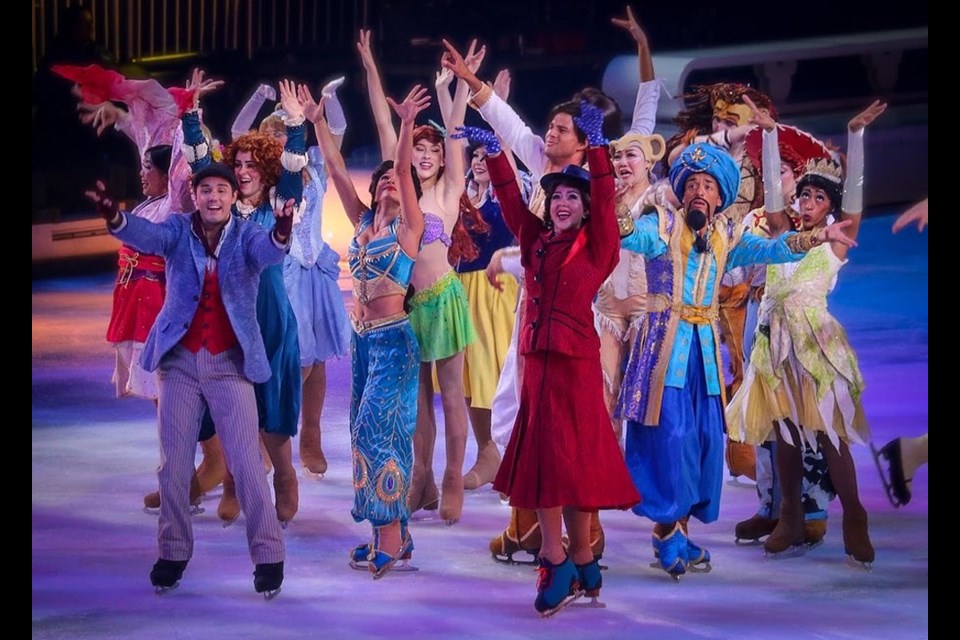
<point x="562" y="451"/>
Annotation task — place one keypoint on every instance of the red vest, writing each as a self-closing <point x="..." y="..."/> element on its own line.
<point x="210" y="328"/>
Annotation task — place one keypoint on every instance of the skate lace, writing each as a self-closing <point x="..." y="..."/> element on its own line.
<point x="543" y="578"/>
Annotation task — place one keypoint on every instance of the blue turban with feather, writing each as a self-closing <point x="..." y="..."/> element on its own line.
<point x="709" y="159"/>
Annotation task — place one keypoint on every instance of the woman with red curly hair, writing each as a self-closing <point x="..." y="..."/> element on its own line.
<point x="267" y="173"/>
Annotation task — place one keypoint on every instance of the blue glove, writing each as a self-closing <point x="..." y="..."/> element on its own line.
<point x="479" y="136"/>
<point x="590" y="121"/>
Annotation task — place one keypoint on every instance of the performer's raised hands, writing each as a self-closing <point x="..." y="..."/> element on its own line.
<point x="416" y="101"/>
<point x="867" y="116"/>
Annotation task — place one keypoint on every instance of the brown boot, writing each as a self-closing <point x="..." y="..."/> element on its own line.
<point x="311" y="454"/>
<point x="213" y="467"/>
<point x="152" y="500"/>
<point x="813" y="532"/>
<point x="485" y="469"/>
<point x="423" y="492"/>
<point x="522" y="534"/>
<point x="286" y="494"/>
<point x="229" y="508"/>
<point x="788" y="532"/>
<point x="451" y="499"/>
<point x="856" y="538"/>
<point x="741" y="459"/>
<point x="753" y="528"/>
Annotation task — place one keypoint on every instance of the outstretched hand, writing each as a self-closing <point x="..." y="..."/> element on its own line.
<point x="99" y="116"/>
<point x="494" y="269"/>
<point x="453" y="60"/>
<point x="630" y="24"/>
<point x="416" y="101"/>
<point x="105" y="203"/>
<point x="867" y="116"/>
<point x="444" y="78"/>
<point x="501" y="84"/>
<point x="290" y="101"/>
<point x="590" y="121"/>
<point x="835" y="233"/>
<point x="201" y="86"/>
<point x="312" y="110"/>
<point x="284" y="216"/>
<point x="365" y="51"/>
<point x="915" y="214"/>
<point x="758" y="116"/>
<point x="477" y="135"/>
<point x="474" y="57"/>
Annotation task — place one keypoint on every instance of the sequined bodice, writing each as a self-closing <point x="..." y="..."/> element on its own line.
<point x="433" y="229"/>
<point x="380" y="267"/>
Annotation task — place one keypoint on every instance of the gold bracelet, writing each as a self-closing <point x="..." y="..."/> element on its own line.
<point x="803" y="241"/>
<point x="626" y="225"/>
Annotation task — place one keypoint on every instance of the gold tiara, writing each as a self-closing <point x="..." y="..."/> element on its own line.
<point x="825" y="168"/>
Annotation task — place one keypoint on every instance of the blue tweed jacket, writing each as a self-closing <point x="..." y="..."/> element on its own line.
<point x="246" y="249"/>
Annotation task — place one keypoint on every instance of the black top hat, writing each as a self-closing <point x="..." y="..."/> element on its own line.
<point x="216" y="170"/>
<point x="572" y="175"/>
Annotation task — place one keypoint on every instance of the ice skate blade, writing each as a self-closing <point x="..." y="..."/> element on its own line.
<point x="853" y="563"/>
<point x="813" y="545"/>
<point x="426" y="516"/>
<point x="158" y="590"/>
<point x="793" y="552"/>
<point x="887" y="475"/>
<point x="400" y="566"/>
<point x="748" y="542"/>
<point x="312" y="475"/>
<point x="511" y="560"/>
<point x="270" y="594"/>
<point x="702" y="567"/>
<point x="227" y="523"/>
<point x="195" y="510"/>
<point x="590" y="603"/>
<point x="676" y="576"/>
<point x="365" y="566"/>
<point x="566" y="602"/>
<point x="737" y="482"/>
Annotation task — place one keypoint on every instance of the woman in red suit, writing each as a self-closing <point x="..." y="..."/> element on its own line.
<point x="563" y="459"/>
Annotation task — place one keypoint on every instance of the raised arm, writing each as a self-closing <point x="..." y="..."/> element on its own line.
<point x="336" y="167"/>
<point x="504" y="120"/>
<point x="604" y="240"/>
<point x="453" y="116"/>
<point x="852" y="202"/>
<point x="378" y="99"/>
<point x="248" y="112"/>
<point x="773" y="201"/>
<point x="648" y="90"/>
<point x="333" y="110"/>
<point x="294" y="156"/>
<point x="196" y="147"/>
<point x="411" y="227"/>
<point x="501" y="87"/>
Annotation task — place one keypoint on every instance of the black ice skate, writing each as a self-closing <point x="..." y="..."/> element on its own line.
<point x="166" y="575"/>
<point x="267" y="579"/>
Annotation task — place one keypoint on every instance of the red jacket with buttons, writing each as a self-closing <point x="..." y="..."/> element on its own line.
<point x="562" y="272"/>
